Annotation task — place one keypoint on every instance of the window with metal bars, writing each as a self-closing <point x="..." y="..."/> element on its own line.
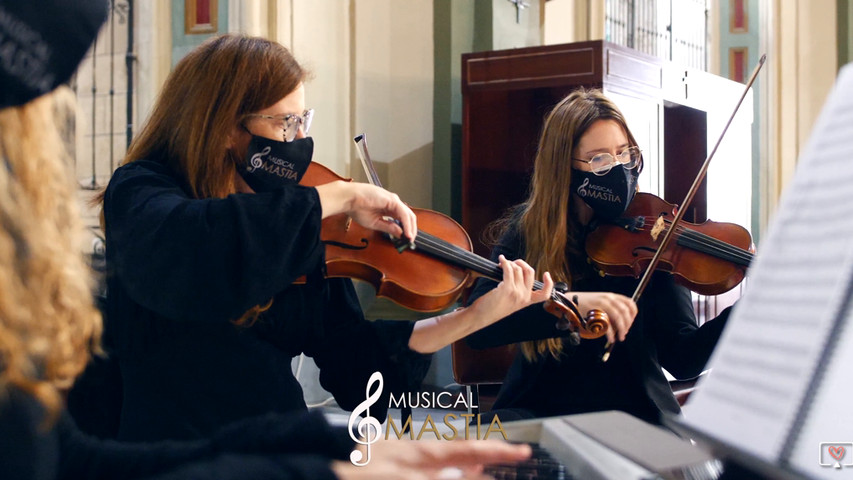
<point x="675" y="30"/>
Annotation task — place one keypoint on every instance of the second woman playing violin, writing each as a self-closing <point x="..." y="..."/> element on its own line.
<point x="586" y="170"/>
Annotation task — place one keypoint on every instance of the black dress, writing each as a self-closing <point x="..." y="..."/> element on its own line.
<point x="292" y="446"/>
<point x="180" y="269"/>
<point x="664" y="333"/>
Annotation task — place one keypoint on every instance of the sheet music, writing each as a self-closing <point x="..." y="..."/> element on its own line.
<point x="768" y="353"/>
<point x="830" y="415"/>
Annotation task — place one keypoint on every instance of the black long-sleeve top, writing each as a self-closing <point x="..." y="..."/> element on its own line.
<point x="180" y="269"/>
<point x="664" y="333"/>
<point x="299" y="445"/>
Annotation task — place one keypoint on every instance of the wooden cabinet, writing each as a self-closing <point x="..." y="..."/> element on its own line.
<point x="676" y="114"/>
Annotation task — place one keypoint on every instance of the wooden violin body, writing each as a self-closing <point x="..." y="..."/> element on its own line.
<point x="412" y="278"/>
<point x="708" y="258"/>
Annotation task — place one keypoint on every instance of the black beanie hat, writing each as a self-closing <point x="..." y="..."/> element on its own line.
<point x="42" y="43"/>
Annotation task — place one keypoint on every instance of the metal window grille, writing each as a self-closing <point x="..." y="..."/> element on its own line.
<point x="105" y="102"/>
<point x="105" y="99"/>
<point x="674" y="30"/>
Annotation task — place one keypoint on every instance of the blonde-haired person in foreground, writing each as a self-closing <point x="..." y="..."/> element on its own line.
<point x="49" y="325"/>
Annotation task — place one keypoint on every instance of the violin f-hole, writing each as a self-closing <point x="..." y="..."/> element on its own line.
<point x="636" y="251"/>
<point x="364" y="244"/>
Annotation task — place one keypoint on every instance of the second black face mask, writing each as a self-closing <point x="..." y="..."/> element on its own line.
<point x="608" y="195"/>
<point x="270" y="164"/>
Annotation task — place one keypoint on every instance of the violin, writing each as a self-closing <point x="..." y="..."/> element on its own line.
<point x="675" y="229"/>
<point x="708" y="258"/>
<point x="431" y="273"/>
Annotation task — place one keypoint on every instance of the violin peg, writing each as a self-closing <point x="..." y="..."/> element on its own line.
<point x="575" y="339"/>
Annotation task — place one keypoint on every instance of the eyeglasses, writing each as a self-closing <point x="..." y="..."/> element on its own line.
<point x="602" y="163"/>
<point x="290" y="123"/>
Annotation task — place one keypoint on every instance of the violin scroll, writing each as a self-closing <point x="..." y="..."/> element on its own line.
<point x="597" y="322"/>
<point x="594" y="325"/>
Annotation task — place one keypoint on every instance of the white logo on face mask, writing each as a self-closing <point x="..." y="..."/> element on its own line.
<point x="582" y="189"/>
<point x="585" y="190"/>
<point x="257" y="159"/>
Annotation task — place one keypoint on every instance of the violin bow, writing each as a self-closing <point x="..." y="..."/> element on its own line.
<point x="688" y="199"/>
<point x="361" y="145"/>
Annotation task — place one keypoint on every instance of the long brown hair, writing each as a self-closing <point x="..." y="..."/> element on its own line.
<point x="549" y="227"/>
<point x="49" y="325"/>
<point x="208" y="93"/>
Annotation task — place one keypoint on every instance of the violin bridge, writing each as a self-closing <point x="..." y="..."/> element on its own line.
<point x="658" y="227"/>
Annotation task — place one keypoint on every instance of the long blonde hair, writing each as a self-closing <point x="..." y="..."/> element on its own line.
<point x="49" y="325"/>
<point x="551" y="231"/>
<point x="208" y="93"/>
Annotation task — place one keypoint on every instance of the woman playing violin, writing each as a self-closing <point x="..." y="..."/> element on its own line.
<point x="585" y="172"/>
<point x="50" y="327"/>
<point x="206" y="230"/>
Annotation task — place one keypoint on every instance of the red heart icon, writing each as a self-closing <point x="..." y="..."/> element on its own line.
<point x="837" y="452"/>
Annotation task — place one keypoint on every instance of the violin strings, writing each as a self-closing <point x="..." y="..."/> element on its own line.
<point x="701" y="242"/>
<point x="448" y="251"/>
<point x="464" y="258"/>
<point x="724" y="249"/>
<point x="710" y="245"/>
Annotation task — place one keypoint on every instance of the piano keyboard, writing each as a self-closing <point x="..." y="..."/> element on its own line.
<point x="540" y="466"/>
<point x="588" y="446"/>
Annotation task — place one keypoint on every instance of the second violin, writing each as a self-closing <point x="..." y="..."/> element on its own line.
<point x="708" y="258"/>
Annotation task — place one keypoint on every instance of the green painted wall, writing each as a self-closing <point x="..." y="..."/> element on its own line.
<point x="463" y="27"/>
<point x="183" y="43"/>
<point x="454" y="25"/>
<point x="845" y="35"/>
<point x="749" y="39"/>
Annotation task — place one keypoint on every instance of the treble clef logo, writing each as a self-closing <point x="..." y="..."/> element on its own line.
<point x="368" y="427"/>
<point x="256" y="160"/>
<point x="582" y="189"/>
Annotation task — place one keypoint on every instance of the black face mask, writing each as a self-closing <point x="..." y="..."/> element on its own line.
<point x="271" y="164"/>
<point x="608" y="195"/>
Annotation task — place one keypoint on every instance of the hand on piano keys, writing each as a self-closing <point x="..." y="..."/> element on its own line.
<point x="432" y="459"/>
<point x="540" y="466"/>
